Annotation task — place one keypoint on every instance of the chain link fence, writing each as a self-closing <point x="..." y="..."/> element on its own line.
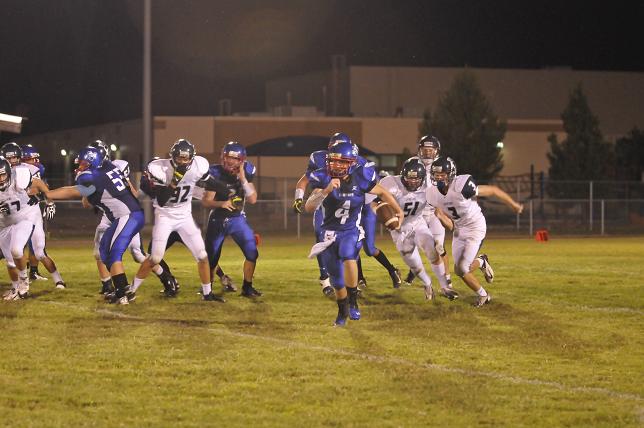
<point x="599" y="208"/>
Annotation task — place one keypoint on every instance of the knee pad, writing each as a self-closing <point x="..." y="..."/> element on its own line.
<point x="137" y="255"/>
<point x="253" y="256"/>
<point x="461" y="269"/>
<point x="16" y="253"/>
<point x="40" y="255"/>
<point x="201" y="255"/>
<point x="97" y="254"/>
<point x="440" y="249"/>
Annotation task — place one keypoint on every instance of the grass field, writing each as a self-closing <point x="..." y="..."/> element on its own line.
<point x="561" y="344"/>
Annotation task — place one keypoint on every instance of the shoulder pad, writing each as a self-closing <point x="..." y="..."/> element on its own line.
<point x="467" y="186"/>
<point x="201" y="163"/>
<point x="23" y="177"/>
<point x="157" y="171"/>
<point x="318" y="179"/>
<point x="215" y="171"/>
<point x="250" y="170"/>
<point x="389" y="182"/>
<point x="123" y="165"/>
<point x="85" y="178"/>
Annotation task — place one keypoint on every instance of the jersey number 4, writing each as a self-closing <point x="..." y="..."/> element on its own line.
<point x="343" y="212"/>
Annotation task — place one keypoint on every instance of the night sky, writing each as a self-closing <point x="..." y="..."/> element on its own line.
<point x="69" y="63"/>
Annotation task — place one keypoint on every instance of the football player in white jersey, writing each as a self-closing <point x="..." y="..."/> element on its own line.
<point x="409" y="188"/>
<point x="13" y="154"/>
<point x="454" y="197"/>
<point x="136" y="245"/>
<point x="175" y="179"/>
<point x="429" y="148"/>
<point x="19" y="214"/>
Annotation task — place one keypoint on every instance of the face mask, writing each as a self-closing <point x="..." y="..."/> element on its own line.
<point x="442" y="186"/>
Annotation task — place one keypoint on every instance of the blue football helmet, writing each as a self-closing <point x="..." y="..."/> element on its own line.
<point x="12" y="153"/>
<point x="342" y="159"/>
<point x="90" y="158"/>
<point x="429" y="148"/>
<point x="5" y="174"/>
<point x="339" y="137"/>
<point x="233" y="156"/>
<point x="102" y="148"/>
<point x="30" y="154"/>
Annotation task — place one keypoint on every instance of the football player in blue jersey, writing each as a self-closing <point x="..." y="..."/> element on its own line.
<point x="31" y="156"/>
<point x="340" y="188"/>
<point x="105" y="187"/>
<point x="228" y="189"/>
<point x="317" y="160"/>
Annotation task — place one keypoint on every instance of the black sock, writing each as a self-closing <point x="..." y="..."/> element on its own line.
<point x="33" y="269"/>
<point x="383" y="260"/>
<point x="120" y="283"/>
<point x="343" y="307"/>
<point x="410" y="276"/>
<point x="247" y="284"/>
<point x="219" y="272"/>
<point x="107" y="284"/>
<point x="353" y="296"/>
<point x="360" y="274"/>
<point x="165" y="267"/>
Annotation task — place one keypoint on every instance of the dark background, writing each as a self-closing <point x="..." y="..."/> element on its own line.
<point x="70" y="63"/>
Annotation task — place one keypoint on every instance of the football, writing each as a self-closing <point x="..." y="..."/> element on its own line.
<point x="386" y="215"/>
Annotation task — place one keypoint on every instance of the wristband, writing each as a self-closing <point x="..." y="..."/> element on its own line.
<point x="299" y="194"/>
<point x="249" y="189"/>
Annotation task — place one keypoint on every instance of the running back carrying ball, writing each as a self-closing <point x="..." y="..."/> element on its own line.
<point x="386" y="215"/>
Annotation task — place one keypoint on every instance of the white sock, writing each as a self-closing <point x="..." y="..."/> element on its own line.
<point x="14" y="284"/>
<point x="157" y="269"/>
<point x="448" y="277"/>
<point x="56" y="276"/>
<point x="206" y="289"/>
<point x="481" y="292"/>
<point x="136" y="283"/>
<point x="425" y="279"/>
<point x="439" y="271"/>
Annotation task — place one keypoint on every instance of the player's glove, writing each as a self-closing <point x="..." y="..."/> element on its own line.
<point x="4" y="209"/>
<point x="50" y="211"/>
<point x="33" y="200"/>
<point x="298" y="205"/>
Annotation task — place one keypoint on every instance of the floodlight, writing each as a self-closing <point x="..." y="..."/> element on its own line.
<point x="11" y="123"/>
<point x="63" y="152"/>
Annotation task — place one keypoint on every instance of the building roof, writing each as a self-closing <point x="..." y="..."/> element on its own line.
<point x="294" y="145"/>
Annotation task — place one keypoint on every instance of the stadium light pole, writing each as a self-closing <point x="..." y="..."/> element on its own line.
<point x="147" y="94"/>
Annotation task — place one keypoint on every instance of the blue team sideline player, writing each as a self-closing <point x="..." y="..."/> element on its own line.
<point x="104" y="186"/>
<point x="229" y="187"/>
<point x="340" y="188"/>
<point x="317" y="160"/>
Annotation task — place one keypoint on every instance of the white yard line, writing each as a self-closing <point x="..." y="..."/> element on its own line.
<point x="384" y="359"/>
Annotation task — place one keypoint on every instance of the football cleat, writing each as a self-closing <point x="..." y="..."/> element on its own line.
<point x="211" y="297"/>
<point x="482" y="300"/>
<point x="23" y="288"/>
<point x="449" y="293"/>
<point x="362" y="284"/>
<point x="113" y="299"/>
<point x="36" y="276"/>
<point x="250" y="291"/>
<point x="354" y="313"/>
<point x="12" y="294"/>
<point x="396" y="280"/>
<point x="227" y="284"/>
<point x="327" y="288"/>
<point x="429" y="292"/>
<point x="340" y="321"/>
<point x="170" y="285"/>
<point x="486" y="268"/>
<point x="61" y="285"/>
<point x="131" y="295"/>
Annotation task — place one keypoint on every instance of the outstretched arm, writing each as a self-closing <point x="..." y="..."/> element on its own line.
<point x="67" y="192"/>
<point x="485" y="190"/>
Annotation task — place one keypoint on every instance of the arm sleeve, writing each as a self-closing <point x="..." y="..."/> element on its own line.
<point x="469" y="189"/>
<point x="163" y="194"/>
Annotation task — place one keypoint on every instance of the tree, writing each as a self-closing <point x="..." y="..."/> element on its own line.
<point x="467" y="128"/>
<point x="583" y="154"/>
<point x="629" y="156"/>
